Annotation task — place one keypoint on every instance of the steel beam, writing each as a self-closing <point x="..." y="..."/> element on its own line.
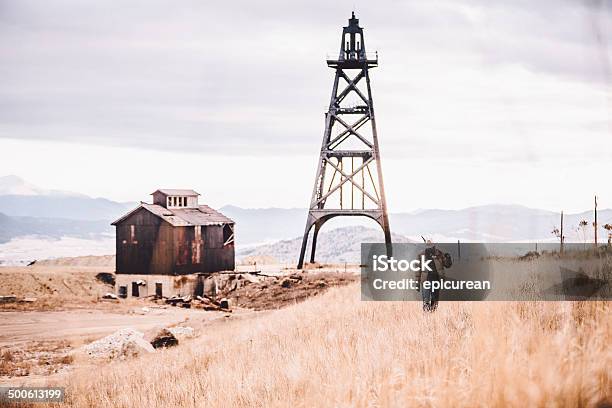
<point x="320" y="209"/>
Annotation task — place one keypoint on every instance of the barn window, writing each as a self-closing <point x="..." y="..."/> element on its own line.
<point x="132" y="233"/>
<point x="228" y="234"/>
<point x="177" y="201"/>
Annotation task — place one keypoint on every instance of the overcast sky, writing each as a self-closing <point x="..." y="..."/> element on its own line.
<point x="502" y="102"/>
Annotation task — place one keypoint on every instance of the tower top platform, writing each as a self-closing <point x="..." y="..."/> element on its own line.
<point x="352" y="49"/>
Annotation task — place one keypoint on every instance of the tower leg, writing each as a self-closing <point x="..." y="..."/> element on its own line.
<point x="300" y="264"/>
<point x="314" y="241"/>
<point x="388" y="243"/>
<point x="387" y="231"/>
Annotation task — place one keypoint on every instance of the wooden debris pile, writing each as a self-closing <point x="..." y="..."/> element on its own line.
<point x="223" y="291"/>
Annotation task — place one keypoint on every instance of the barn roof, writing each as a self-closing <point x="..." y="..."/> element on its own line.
<point x="176" y="192"/>
<point x="182" y="217"/>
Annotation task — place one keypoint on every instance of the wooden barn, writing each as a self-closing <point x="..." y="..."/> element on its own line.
<point x="161" y="246"/>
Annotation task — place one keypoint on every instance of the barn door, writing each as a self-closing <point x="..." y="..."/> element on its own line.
<point x="135" y="291"/>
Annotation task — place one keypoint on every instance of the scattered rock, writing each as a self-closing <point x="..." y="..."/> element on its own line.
<point x="164" y="339"/>
<point x="251" y="278"/>
<point x="275" y="291"/>
<point x="182" y="332"/>
<point x="121" y="344"/>
<point x="135" y="348"/>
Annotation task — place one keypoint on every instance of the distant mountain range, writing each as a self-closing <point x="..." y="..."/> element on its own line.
<point x="334" y="246"/>
<point x="26" y="209"/>
<point x="493" y="223"/>
<point x="67" y="207"/>
<point x="19" y="198"/>
<point x="13" y="227"/>
<point x="14" y="185"/>
<point x="487" y="223"/>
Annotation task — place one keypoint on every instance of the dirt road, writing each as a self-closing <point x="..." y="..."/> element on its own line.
<point x="22" y="327"/>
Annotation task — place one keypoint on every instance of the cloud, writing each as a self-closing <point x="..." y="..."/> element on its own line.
<point x="518" y="80"/>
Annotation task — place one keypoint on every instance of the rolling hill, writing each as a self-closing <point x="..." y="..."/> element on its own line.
<point x="29" y="210"/>
<point x="13" y="227"/>
<point x="334" y="246"/>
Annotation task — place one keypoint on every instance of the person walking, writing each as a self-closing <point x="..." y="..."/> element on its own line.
<point x="440" y="261"/>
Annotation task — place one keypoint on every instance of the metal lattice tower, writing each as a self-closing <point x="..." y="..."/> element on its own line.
<point x="349" y="176"/>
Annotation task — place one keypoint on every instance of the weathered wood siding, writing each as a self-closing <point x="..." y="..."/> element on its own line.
<point x="203" y="250"/>
<point x="146" y="244"/>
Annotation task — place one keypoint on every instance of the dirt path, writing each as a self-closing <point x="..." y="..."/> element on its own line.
<point x="41" y="347"/>
<point x="22" y="327"/>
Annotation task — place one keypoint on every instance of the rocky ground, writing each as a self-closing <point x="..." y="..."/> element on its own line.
<point x="55" y="318"/>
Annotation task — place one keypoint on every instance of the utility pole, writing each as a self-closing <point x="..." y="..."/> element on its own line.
<point x="562" y="237"/>
<point x="595" y="223"/>
<point x="458" y="249"/>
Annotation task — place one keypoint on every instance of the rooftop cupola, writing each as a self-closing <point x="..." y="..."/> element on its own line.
<point x="174" y="198"/>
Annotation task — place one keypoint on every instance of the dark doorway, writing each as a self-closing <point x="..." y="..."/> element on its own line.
<point x="158" y="289"/>
<point x="135" y="291"/>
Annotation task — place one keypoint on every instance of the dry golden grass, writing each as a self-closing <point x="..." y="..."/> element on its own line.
<point x="335" y="350"/>
<point x="35" y="358"/>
